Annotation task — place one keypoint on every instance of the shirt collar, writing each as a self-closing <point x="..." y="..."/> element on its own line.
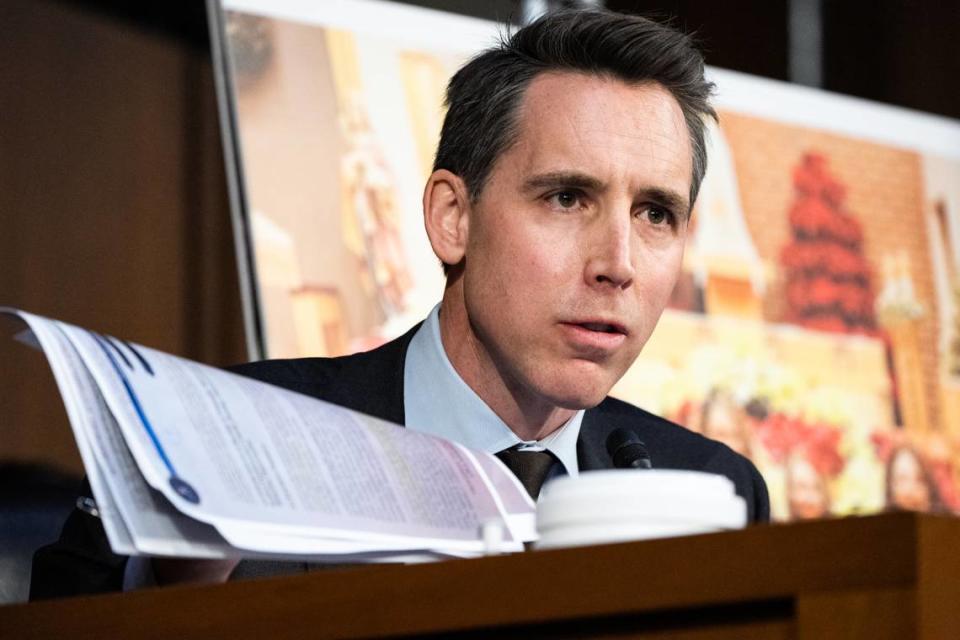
<point x="437" y="401"/>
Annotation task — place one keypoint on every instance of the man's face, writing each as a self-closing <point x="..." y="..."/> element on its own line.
<point x="576" y="241"/>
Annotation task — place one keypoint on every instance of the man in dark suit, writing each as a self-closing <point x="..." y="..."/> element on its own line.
<point x="568" y="165"/>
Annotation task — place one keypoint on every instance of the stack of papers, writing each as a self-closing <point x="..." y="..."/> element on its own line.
<point x="191" y="461"/>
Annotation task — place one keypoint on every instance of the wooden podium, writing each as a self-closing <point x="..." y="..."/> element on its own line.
<point x="886" y="576"/>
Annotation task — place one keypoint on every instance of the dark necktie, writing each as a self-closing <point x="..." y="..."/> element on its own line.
<point x="530" y="467"/>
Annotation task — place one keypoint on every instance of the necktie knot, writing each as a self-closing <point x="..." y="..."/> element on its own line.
<point x="530" y="467"/>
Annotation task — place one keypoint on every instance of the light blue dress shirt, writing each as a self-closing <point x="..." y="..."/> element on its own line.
<point x="437" y="401"/>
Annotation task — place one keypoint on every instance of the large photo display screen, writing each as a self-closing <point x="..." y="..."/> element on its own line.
<point x="816" y="324"/>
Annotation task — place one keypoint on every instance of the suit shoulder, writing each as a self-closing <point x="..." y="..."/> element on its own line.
<point x="296" y="374"/>
<point x="370" y="381"/>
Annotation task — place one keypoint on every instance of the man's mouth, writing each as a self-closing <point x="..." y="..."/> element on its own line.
<point x="597" y="337"/>
<point x="603" y="327"/>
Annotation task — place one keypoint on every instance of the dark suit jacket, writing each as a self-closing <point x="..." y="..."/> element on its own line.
<point x="372" y="382"/>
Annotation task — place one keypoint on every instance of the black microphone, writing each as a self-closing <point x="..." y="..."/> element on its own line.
<point x="628" y="450"/>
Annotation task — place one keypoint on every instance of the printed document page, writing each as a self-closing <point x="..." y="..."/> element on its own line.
<point x="191" y="460"/>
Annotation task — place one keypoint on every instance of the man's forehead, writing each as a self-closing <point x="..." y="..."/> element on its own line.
<point x="606" y="123"/>
<point x="570" y="98"/>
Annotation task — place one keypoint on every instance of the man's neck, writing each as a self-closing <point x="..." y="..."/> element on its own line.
<point x="528" y="416"/>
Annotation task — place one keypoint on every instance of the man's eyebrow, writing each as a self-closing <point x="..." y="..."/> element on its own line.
<point x="670" y="199"/>
<point x="568" y="179"/>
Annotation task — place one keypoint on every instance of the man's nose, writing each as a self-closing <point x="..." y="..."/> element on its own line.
<point x="610" y="259"/>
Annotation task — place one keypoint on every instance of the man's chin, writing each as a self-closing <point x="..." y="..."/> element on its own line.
<point x="579" y="395"/>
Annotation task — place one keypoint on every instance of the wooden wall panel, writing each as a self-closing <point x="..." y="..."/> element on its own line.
<point x="113" y="210"/>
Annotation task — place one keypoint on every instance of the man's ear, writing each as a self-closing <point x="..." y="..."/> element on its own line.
<point x="446" y="209"/>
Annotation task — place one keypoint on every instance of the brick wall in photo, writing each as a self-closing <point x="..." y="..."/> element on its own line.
<point x="884" y="192"/>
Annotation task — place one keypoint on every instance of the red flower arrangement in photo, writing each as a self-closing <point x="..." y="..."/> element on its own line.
<point x="782" y="435"/>
<point x="828" y="281"/>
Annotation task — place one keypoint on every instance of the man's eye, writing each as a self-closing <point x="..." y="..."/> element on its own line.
<point x="565" y="199"/>
<point x="659" y="215"/>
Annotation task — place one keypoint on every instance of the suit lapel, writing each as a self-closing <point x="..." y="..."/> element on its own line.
<point x="591" y="444"/>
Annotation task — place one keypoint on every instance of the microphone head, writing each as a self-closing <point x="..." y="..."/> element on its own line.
<point x="627" y="450"/>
